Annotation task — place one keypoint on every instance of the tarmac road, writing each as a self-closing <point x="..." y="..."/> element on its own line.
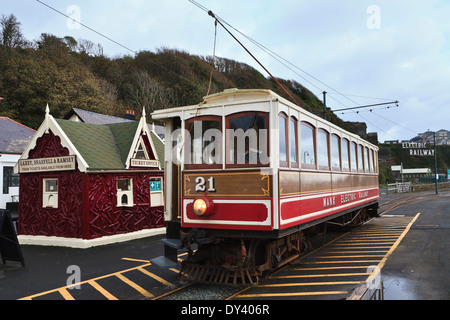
<point x="418" y="269"/>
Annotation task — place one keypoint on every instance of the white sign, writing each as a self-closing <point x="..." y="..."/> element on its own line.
<point x="418" y="149"/>
<point x="144" y="163"/>
<point x="47" y="164"/>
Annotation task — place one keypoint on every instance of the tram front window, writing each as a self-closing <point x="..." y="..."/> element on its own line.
<point x="204" y="142"/>
<point x="247" y="139"/>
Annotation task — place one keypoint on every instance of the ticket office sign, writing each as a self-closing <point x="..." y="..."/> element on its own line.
<point x="66" y="163"/>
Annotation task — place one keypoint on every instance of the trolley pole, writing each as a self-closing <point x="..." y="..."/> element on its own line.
<point x="435" y="164"/>
<point x="325" y="105"/>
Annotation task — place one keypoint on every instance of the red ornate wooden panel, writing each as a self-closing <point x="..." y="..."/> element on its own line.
<point x="108" y="219"/>
<point x="98" y="215"/>
<point x="64" y="221"/>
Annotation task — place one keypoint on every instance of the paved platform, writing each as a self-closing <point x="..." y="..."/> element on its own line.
<point x="419" y="267"/>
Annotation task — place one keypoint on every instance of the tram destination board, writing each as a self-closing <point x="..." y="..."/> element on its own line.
<point x="9" y="245"/>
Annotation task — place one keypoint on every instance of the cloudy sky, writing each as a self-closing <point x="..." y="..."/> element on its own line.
<point x="360" y="51"/>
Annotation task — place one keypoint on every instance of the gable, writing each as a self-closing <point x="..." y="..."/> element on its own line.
<point x="143" y="153"/>
<point x="96" y="147"/>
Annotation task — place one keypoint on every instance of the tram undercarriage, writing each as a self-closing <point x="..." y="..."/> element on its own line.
<point x="239" y="260"/>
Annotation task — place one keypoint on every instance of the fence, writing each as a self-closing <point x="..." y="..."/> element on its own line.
<point x="399" y="187"/>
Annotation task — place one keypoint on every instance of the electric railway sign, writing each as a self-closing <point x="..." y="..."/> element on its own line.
<point x="418" y="149"/>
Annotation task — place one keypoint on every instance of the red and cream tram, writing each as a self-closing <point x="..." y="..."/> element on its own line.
<point x="251" y="169"/>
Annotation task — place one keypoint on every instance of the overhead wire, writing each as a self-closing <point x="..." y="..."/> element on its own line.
<point x="273" y="54"/>
<point x="292" y="66"/>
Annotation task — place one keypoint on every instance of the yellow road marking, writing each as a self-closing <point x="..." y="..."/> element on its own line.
<point x="138" y="288"/>
<point x="66" y="295"/>
<point x="372" y="238"/>
<point x="83" y="282"/>
<point x="383" y="261"/>
<point x="358" y="251"/>
<point x="137" y="260"/>
<point x="308" y="284"/>
<point x="322" y="275"/>
<point x="100" y="289"/>
<point x="293" y="294"/>
<point x="356" y="256"/>
<point x="351" y="261"/>
<point x="154" y="276"/>
<point x="330" y="268"/>
<point x="363" y="247"/>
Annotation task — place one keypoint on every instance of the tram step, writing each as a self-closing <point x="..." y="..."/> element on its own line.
<point x="173" y="243"/>
<point x="163" y="262"/>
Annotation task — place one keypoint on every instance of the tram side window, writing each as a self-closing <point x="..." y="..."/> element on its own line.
<point x="335" y="153"/>
<point x="247" y="139"/>
<point x="204" y="142"/>
<point x="307" y="146"/>
<point x="282" y="130"/>
<point x="322" y="150"/>
<point x="345" y="155"/>
<point x="293" y="142"/>
<point x="375" y="162"/>
<point x="360" y="158"/>
<point x="366" y="158"/>
<point x="353" y="157"/>
<point x="372" y="165"/>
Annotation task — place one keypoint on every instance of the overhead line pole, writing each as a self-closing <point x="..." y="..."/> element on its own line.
<point x="359" y="107"/>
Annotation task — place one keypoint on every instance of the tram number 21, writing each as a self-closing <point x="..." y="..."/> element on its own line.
<point x="201" y="187"/>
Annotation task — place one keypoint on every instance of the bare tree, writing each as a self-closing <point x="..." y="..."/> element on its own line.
<point x="147" y="92"/>
<point x="11" y="35"/>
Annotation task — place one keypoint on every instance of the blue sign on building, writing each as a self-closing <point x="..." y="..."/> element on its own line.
<point x="155" y="185"/>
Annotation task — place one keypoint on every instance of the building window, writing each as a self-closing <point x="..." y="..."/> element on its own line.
<point x="282" y="132"/>
<point x="307" y="146"/>
<point x="322" y="150"/>
<point x="335" y="153"/>
<point x="125" y="192"/>
<point x="50" y="193"/>
<point x="10" y="179"/>
<point x="156" y="192"/>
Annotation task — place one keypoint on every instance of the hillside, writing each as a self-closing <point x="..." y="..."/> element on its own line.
<point x="67" y="73"/>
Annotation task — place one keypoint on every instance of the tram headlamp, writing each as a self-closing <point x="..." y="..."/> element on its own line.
<point x="203" y="206"/>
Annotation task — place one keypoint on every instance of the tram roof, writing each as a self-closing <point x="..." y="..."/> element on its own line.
<point x="236" y="97"/>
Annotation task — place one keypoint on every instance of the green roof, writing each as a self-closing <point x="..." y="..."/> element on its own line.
<point x="103" y="147"/>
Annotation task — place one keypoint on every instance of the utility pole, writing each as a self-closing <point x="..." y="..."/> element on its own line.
<point x="325" y="105"/>
<point x="435" y="163"/>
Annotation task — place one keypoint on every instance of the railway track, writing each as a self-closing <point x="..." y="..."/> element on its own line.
<point x="334" y="270"/>
<point x="341" y="262"/>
